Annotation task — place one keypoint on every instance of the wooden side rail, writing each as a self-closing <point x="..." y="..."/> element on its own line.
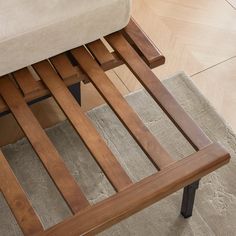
<point x="143" y="45"/>
<point x="142" y="194"/>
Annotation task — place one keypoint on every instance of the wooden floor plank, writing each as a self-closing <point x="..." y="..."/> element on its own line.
<point x="17" y="200"/>
<point x="43" y="146"/>
<point x="158" y="91"/>
<point x="142" y="194"/>
<point x="157" y="154"/>
<point x="95" y="144"/>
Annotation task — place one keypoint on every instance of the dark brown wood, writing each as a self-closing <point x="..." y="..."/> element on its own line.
<point x="43" y="146"/>
<point x="143" y="45"/>
<point x="158" y="91"/>
<point x="157" y="154"/>
<point x="95" y="144"/>
<point x="17" y="200"/>
<point x="142" y="194"/>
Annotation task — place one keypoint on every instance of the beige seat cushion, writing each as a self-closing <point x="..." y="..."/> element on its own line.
<point x="32" y="30"/>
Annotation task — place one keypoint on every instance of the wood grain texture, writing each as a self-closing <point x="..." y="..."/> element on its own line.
<point x="158" y="91"/>
<point x="101" y="54"/>
<point x="43" y="147"/>
<point x="95" y="144"/>
<point x="156" y="153"/>
<point x="26" y="81"/>
<point x="64" y="67"/>
<point x="194" y="57"/>
<point x="17" y="200"/>
<point x="143" y="45"/>
<point x="142" y="194"/>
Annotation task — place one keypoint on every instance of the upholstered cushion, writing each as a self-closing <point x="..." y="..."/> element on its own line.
<point x="32" y="30"/>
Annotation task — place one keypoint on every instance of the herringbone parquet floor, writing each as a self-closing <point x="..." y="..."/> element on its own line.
<point x="198" y="37"/>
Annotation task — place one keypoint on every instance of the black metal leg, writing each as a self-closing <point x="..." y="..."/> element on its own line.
<point x="188" y="199"/>
<point x="76" y="92"/>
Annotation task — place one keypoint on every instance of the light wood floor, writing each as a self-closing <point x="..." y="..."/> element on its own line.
<point x="198" y="37"/>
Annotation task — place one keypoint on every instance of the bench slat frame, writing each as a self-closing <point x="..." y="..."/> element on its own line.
<point x="89" y="63"/>
<point x="158" y="92"/>
<point x="149" y="144"/>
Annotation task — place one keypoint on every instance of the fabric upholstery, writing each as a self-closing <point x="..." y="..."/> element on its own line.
<point x="32" y="30"/>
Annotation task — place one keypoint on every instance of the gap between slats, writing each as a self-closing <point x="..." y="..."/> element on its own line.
<point x="159" y="93"/>
<point x="17" y="200"/>
<point x="156" y="153"/>
<point x="143" y="45"/>
<point x="43" y="147"/>
<point x="144" y="193"/>
<point x="95" y="144"/>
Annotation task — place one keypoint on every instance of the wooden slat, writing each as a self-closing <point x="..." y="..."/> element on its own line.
<point x="140" y="41"/>
<point x="17" y="200"/>
<point x="157" y="154"/>
<point x="95" y="144"/>
<point x="66" y="70"/>
<point x="101" y="54"/>
<point x="41" y="92"/>
<point x="158" y="91"/>
<point x="63" y="66"/>
<point x="26" y="81"/>
<point x="34" y="90"/>
<point x="143" y="193"/>
<point x="43" y="147"/>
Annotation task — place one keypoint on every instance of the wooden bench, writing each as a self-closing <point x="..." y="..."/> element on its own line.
<point x="60" y="77"/>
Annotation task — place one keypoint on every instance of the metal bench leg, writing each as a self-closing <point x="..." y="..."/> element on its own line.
<point x="188" y="199"/>
<point x="76" y="92"/>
